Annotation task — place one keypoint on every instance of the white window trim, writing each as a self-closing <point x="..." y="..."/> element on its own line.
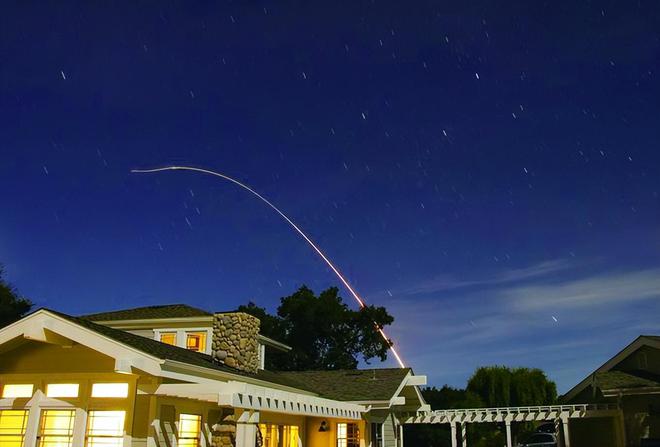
<point x="181" y="336"/>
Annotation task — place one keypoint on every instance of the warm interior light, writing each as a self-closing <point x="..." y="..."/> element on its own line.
<point x="196" y="341"/>
<point x="57" y="428"/>
<point x="290" y="436"/>
<point x="17" y="390"/>
<point x="190" y="429"/>
<point x="13" y="424"/>
<point x="110" y="390"/>
<point x="105" y="428"/>
<point x="168" y="338"/>
<point x="62" y="390"/>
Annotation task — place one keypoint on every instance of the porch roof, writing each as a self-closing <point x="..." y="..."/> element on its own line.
<point x="351" y="385"/>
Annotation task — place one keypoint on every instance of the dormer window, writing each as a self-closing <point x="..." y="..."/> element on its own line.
<point x="168" y="338"/>
<point x="196" y="341"/>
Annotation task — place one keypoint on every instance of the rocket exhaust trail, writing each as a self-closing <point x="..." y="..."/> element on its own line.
<point x="295" y="227"/>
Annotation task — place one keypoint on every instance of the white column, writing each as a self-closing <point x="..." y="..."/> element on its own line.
<point x="401" y="435"/>
<point x="509" y="442"/>
<point x="463" y="434"/>
<point x="79" y="427"/>
<point x="454" y="442"/>
<point x="246" y="428"/>
<point x="567" y="434"/>
<point x="560" y="441"/>
<point x="32" y="428"/>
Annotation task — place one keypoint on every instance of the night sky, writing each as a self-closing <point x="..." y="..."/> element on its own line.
<point x="488" y="171"/>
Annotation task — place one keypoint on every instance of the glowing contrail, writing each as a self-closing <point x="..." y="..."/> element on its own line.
<point x="295" y="227"/>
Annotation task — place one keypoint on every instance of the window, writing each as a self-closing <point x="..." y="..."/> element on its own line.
<point x="348" y="435"/>
<point x="290" y="436"/>
<point x="12" y="427"/>
<point x="110" y="390"/>
<point x="62" y="390"/>
<point x="642" y="361"/>
<point x="377" y="435"/>
<point x="105" y="428"/>
<point x="168" y="338"/>
<point x="269" y="435"/>
<point x="56" y="428"/>
<point x="16" y="390"/>
<point x="196" y="341"/>
<point x="190" y="428"/>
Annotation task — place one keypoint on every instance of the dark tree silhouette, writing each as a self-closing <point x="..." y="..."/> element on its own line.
<point x="12" y="305"/>
<point x="323" y="331"/>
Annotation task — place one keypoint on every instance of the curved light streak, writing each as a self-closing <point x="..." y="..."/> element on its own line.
<point x="295" y="227"/>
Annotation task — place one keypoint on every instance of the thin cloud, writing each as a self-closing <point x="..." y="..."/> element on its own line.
<point x="595" y="291"/>
<point x="446" y="283"/>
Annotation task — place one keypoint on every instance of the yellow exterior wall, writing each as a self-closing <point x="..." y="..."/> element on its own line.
<point x="41" y="364"/>
<point x="315" y="438"/>
<point x="46" y="358"/>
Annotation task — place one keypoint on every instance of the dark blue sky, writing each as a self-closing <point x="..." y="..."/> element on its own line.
<point x="480" y="168"/>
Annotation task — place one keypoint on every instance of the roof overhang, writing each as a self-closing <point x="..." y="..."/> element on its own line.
<point x="259" y="398"/>
<point x="625" y="352"/>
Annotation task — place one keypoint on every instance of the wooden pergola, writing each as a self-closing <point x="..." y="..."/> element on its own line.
<point x="559" y="414"/>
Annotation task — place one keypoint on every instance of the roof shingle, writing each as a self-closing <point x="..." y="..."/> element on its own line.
<point x="149" y="312"/>
<point x="351" y="385"/>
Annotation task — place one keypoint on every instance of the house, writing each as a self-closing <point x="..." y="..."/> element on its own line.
<point x="174" y="375"/>
<point x="630" y="379"/>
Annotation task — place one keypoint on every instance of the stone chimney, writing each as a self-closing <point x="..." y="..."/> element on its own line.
<point x="235" y="340"/>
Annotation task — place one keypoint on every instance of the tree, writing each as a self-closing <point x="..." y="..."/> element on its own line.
<point x="323" y="331"/>
<point x="500" y="386"/>
<point x="12" y="306"/>
<point x="492" y="386"/>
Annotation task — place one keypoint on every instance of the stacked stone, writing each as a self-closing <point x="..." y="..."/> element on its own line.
<point x="224" y="431"/>
<point x="235" y="340"/>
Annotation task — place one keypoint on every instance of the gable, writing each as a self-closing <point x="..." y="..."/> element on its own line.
<point x="38" y="357"/>
<point x="640" y="360"/>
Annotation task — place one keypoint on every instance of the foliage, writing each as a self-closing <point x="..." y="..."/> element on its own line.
<point x="323" y="331"/>
<point x="499" y="386"/>
<point x="12" y="306"/>
<point x="494" y="386"/>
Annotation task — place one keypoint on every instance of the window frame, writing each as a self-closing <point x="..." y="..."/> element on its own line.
<point x="197" y="441"/>
<point x="23" y="429"/>
<point x="181" y="336"/>
<point x="42" y="437"/>
<point x="350" y="440"/>
<point x="3" y="387"/>
<point x="88" y="427"/>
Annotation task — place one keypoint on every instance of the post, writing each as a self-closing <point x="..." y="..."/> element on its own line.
<point x="454" y="442"/>
<point x="246" y="428"/>
<point x="567" y="434"/>
<point x="509" y="442"/>
<point x="560" y="442"/>
<point x="463" y="434"/>
<point x="401" y="435"/>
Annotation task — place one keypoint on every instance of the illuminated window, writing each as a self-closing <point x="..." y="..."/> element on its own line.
<point x="190" y="428"/>
<point x="196" y="341"/>
<point x="56" y="428"/>
<point x="168" y="338"/>
<point x="269" y="435"/>
<point x="290" y="436"/>
<point x="110" y="390"/>
<point x="105" y="428"/>
<point x="16" y="390"/>
<point x="348" y="435"/>
<point x="62" y="390"/>
<point x="12" y="427"/>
